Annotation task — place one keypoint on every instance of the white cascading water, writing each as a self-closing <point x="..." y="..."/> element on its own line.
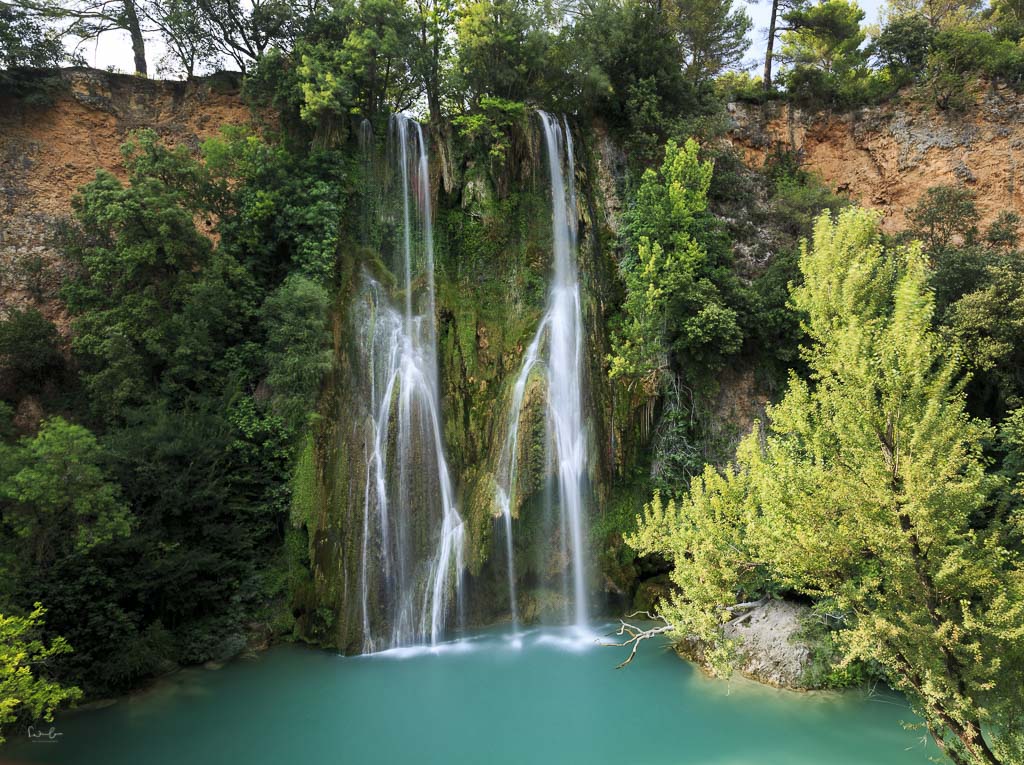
<point x="560" y="338"/>
<point x="406" y="587"/>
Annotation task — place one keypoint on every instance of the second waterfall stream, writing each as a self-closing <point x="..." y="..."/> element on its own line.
<point x="557" y="352"/>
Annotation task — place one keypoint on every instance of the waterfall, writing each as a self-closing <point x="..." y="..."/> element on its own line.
<point x="557" y="347"/>
<point x="413" y="538"/>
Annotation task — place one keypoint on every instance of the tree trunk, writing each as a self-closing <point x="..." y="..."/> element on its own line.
<point x="771" y="46"/>
<point x="131" y="23"/>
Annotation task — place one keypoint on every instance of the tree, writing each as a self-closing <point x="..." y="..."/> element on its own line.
<point x="904" y="43"/>
<point x="357" y="61"/>
<point x="436" y="20"/>
<point x="976" y="277"/>
<point x="88" y="19"/>
<point x="186" y="32"/>
<point x="26" y="40"/>
<point x="502" y="49"/>
<point x="827" y="36"/>
<point x="944" y="217"/>
<point x="298" y="346"/>
<point x="988" y="323"/>
<point x="57" y="495"/>
<point x="711" y="33"/>
<point x="1007" y="19"/>
<point x="934" y="12"/>
<point x="674" y="311"/>
<point x="29" y="352"/>
<point x="25" y="690"/>
<point x="155" y="307"/>
<point x="773" y="31"/>
<point x="867" y="493"/>
<point x="1011" y="441"/>
<point x="822" y="47"/>
<point x="245" y="31"/>
<point x="626" y="64"/>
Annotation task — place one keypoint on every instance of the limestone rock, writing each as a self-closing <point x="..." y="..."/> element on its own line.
<point x="772" y="653"/>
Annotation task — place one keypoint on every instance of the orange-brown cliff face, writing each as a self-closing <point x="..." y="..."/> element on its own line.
<point x="48" y="151"/>
<point x="885" y="157"/>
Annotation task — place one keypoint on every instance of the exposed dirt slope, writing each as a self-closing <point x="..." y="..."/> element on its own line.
<point x="885" y="157"/>
<point x="48" y="150"/>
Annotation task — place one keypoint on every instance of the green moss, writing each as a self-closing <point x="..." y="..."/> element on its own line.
<point x="465" y="326"/>
<point x="304" y="486"/>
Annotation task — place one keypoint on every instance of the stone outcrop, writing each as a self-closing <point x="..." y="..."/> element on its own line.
<point x="885" y="157"/>
<point x="770" y="648"/>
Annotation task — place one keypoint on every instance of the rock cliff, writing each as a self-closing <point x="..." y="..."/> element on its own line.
<point x="886" y="156"/>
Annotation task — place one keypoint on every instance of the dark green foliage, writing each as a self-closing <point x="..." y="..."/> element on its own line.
<point x="356" y="60"/>
<point x="1007" y="19"/>
<point x="298" y="353"/>
<point x="988" y="323"/>
<point x="155" y="541"/>
<point x="1011" y="443"/>
<point x="56" y="495"/>
<point x="796" y="196"/>
<point x="977" y="278"/>
<point x="503" y="47"/>
<point x="155" y="308"/>
<point x="287" y="211"/>
<point x="959" y="52"/>
<point x="945" y="215"/>
<point x="822" y="46"/>
<point x="903" y="45"/>
<point x="821" y="633"/>
<point x="246" y="32"/>
<point x="29" y="350"/>
<point x="632" y="71"/>
<point x="26" y="40"/>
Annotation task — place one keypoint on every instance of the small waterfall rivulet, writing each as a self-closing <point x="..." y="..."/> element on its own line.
<point x="413" y="537"/>
<point x="557" y="349"/>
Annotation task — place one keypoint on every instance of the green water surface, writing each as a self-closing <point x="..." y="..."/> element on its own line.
<point x="491" y="699"/>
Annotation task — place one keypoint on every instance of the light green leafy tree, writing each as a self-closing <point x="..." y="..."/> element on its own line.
<point x="24" y="691"/>
<point x="56" y="495"/>
<point x="491" y="125"/>
<point x="673" y="306"/>
<point x="868" y="493"/>
<point x="357" y="61"/>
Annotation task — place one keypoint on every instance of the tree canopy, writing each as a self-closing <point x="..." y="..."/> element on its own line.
<point x="866" y="491"/>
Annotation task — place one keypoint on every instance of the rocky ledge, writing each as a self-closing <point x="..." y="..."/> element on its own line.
<point x="771" y="651"/>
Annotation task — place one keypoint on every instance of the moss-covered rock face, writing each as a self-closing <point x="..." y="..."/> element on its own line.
<point x="493" y="258"/>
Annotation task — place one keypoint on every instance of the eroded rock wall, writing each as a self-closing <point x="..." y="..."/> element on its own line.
<point x="886" y="157"/>
<point x="53" y="144"/>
